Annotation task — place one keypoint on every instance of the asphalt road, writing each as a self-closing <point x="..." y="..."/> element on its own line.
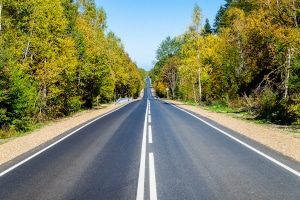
<point x="150" y="149"/>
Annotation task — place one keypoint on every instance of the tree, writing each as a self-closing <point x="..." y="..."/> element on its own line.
<point x="168" y="49"/>
<point x="54" y="58"/>
<point x="253" y="59"/>
<point x="1" y="5"/>
<point x="170" y="73"/>
<point x="219" y="19"/>
<point x="70" y="13"/>
<point x="196" y="30"/>
<point x="93" y="71"/>
<point x="207" y="28"/>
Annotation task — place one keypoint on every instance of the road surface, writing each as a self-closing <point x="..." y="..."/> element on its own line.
<point x="150" y="149"/>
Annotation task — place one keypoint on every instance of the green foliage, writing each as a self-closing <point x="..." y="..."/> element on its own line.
<point x="56" y="59"/>
<point x="20" y="102"/>
<point x="267" y="105"/>
<point x="168" y="50"/>
<point x="251" y="62"/>
<point x="220" y="108"/>
<point x="294" y="110"/>
<point x="207" y="28"/>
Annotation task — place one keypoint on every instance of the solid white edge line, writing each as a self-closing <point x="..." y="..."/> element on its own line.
<point x="53" y="144"/>
<point x="141" y="180"/>
<point x="153" y="193"/>
<point x="243" y="143"/>
<point x="150" y="134"/>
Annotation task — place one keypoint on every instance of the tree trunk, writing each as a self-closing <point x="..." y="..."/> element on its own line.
<point x="174" y="81"/>
<point x="199" y="75"/>
<point x="294" y="13"/>
<point x="199" y="81"/>
<point x="44" y="97"/>
<point x="287" y="74"/>
<point x="242" y="62"/>
<point x="194" y="91"/>
<point x="0" y="18"/>
<point x="79" y="82"/>
<point x="28" y="43"/>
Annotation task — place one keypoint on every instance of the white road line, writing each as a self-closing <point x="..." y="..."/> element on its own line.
<point x="149" y="118"/>
<point x="150" y="134"/>
<point x="53" y="144"/>
<point x="153" y="193"/>
<point x="141" y="181"/>
<point x="244" y="144"/>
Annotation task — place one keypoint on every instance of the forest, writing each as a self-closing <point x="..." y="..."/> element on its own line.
<point x="57" y="58"/>
<point x="249" y="60"/>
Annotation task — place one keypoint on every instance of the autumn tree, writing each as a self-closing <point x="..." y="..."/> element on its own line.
<point x="252" y="60"/>
<point x="55" y="59"/>
<point x="169" y="73"/>
<point x="191" y="53"/>
<point x="263" y="37"/>
<point x="168" y="49"/>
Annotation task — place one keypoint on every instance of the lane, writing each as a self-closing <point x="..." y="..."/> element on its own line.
<point x="195" y="161"/>
<point x="100" y="161"/>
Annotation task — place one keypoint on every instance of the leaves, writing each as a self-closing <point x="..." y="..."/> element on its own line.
<point x="57" y="58"/>
<point x="254" y="53"/>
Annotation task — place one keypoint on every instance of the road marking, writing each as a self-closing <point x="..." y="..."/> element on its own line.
<point x="141" y="180"/>
<point x="243" y="143"/>
<point x="149" y="118"/>
<point x="153" y="193"/>
<point x="150" y="134"/>
<point x="53" y="144"/>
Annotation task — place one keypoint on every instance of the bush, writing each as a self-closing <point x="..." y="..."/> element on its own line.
<point x="7" y="132"/>
<point x="294" y="110"/>
<point x="269" y="106"/>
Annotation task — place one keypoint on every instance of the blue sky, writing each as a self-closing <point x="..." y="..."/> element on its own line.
<point x="143" y="24"/>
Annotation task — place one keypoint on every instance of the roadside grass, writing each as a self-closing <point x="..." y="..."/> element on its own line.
<point x="191" y="103"/>
<point x="219" y="108"/>
<point x="7" y="133"/>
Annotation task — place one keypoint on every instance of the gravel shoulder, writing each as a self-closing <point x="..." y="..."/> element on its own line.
<point x="276" y="139"/>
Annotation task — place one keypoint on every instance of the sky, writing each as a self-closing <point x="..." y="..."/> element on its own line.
<point x="142" y="25"/>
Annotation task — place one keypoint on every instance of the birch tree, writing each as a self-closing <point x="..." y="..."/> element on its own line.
<point x="170" y="73"/>
<point x="196" y="29"/>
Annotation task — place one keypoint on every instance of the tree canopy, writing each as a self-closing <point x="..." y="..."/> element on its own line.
<point x="56" y="58"/>
<point x="251" y="62"/>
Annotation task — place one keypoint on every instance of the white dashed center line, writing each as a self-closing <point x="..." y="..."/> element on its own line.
<point x="153" y="193"/>
<point x="152" y="179"/>
<point x="149" y="134"/>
